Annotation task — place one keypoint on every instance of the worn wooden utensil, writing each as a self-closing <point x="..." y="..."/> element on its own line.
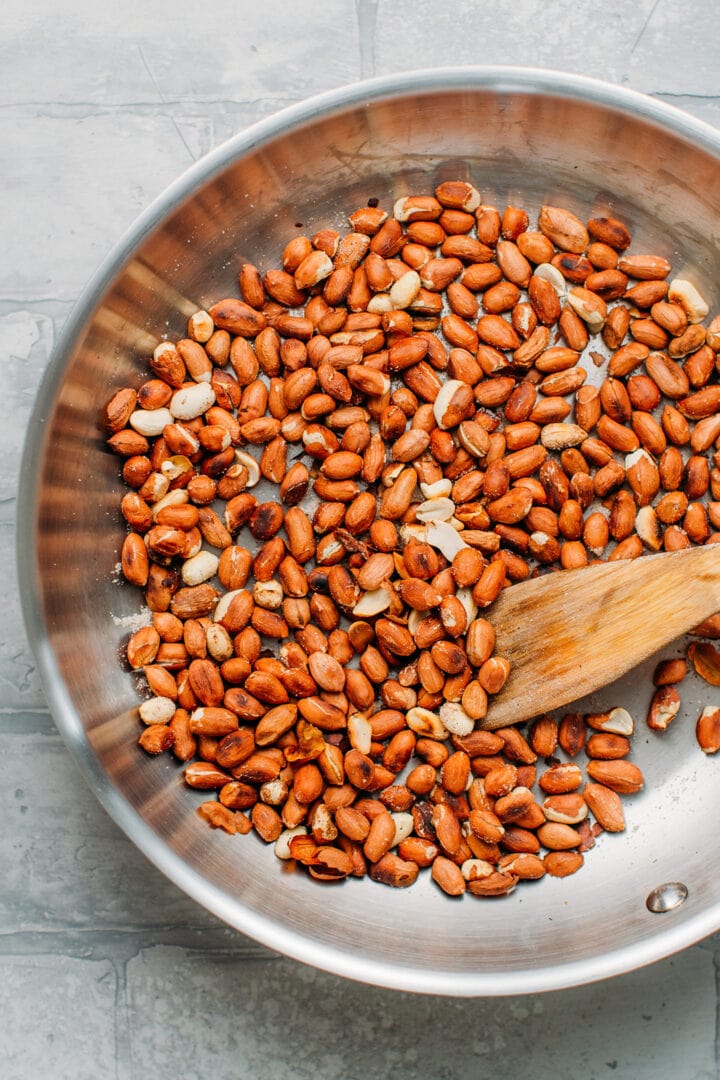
<point x="569" y="633"/>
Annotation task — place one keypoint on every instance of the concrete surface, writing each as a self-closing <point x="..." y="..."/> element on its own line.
<point x="106" y="969"/>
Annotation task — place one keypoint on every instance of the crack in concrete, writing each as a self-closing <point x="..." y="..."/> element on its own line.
<point x="38" y="300"/>
<point x="644" y="27"/>
<point x="121" y="1018"/>
<point x="160" y="95"/>
<point x="26" y="710"/>
<point x="366" y="15"/>
<point x="682" y="94"/>
<point x="119" y="944"/>
<point x="185" y="103"/>
<point x="29" y="722"/>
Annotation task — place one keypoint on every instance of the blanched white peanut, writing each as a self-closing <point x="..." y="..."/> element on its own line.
<point x="268" y="594"/>
<point x="620" y="722"/>
<point x="455" y="719"/>
<point x="617" y="721"/>
<point x="282" y="844"/>
<point x="360" y="733"/>
<point x="192" y="401"/>
<point x="442" y="535"/>
<point x="380" y="303"/>
<point x="274" y="792"/>
<point x="648" y="528"/>
<point x="199" y="568"/>
<point x="589" y="307"/>
<point x="405" y="289"/>
<point x="372" y="603"/>
<point x="550" y="273"/>
<point x="157" y="710"/>
<point x="437" y="490"/>
<point x="404" y="825"/>
<point x="249" y="463"/>
<point x="684" y="293"/>
<point x="200" y="327"/>
<point x="150" y="422"/>
<point x="176" y="466"/>
<point x="219" y="642"/>
<point x="414" y="619"/>
<point x="465" y="597"/>
<point x="439" y="509"/>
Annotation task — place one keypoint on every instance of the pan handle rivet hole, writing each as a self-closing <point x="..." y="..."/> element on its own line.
<point x="666" y="897"/>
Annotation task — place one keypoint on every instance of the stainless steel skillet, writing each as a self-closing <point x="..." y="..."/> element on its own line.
<point x="525" y="137"/>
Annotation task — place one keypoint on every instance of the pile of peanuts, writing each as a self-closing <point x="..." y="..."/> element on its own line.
<point x="415" y="394"/>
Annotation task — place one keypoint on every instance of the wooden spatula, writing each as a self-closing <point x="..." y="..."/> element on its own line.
<point x="569" y="633"/>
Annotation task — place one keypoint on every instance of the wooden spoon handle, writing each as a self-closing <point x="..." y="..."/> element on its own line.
<point x="569" y="633"/>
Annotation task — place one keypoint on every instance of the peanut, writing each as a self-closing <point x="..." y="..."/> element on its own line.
<point x="447" y="469"/>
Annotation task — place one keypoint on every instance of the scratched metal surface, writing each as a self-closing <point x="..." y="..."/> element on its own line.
<point x="100" y="113"/>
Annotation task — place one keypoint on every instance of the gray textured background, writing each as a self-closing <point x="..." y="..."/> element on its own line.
<point x="106" y="969"/>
